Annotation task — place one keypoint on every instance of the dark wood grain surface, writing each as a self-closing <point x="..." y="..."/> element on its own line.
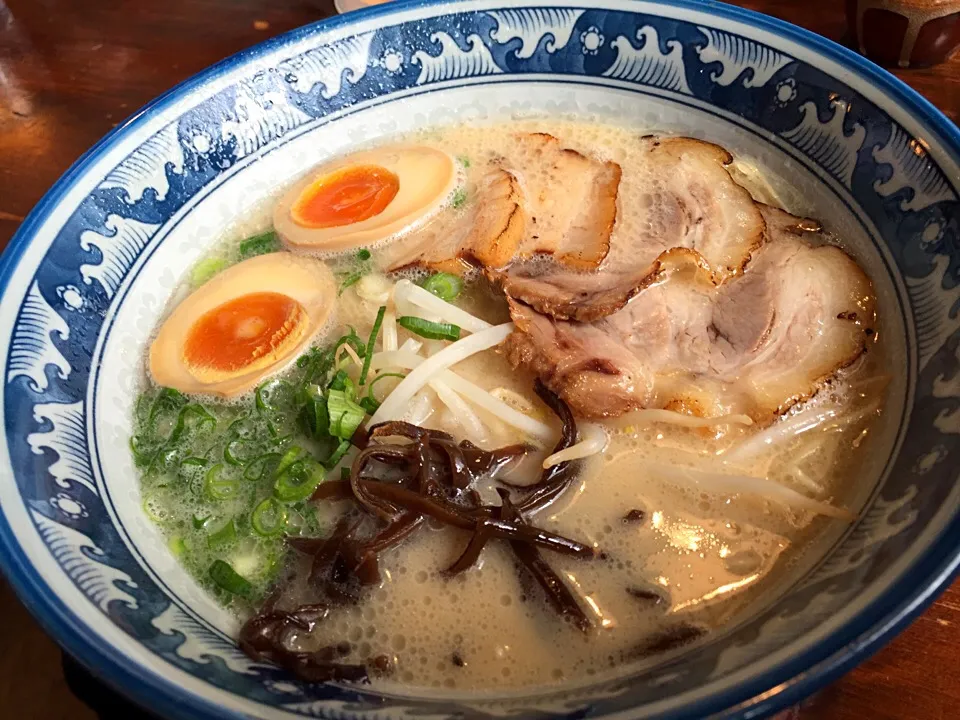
<point x="70" y="70"/>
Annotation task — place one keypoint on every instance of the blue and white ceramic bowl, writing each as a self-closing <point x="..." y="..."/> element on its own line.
<point x="90" y="270"/>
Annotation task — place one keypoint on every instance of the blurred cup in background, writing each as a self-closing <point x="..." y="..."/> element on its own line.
<point x="905" y="33"/>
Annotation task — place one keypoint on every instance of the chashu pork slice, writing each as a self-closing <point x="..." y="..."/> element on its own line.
<point x="756" y="345"/>
<point x="486" y="231"/>
<point x="679" y="205"/>
<point x="569" y="199"/>
<point x="542" y="200"/>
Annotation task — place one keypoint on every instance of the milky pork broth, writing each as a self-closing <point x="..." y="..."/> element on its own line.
<point x="503" y="407"/>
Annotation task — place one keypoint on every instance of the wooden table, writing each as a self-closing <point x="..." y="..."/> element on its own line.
<point x="71" y="69"/>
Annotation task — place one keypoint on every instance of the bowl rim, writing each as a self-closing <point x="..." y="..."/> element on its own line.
<point x="765" y="693"/>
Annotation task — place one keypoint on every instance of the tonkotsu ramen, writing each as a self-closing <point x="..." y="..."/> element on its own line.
<point x="503" y="406"/>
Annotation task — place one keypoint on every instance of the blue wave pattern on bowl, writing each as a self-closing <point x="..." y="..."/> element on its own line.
<point x="883" y="170"/>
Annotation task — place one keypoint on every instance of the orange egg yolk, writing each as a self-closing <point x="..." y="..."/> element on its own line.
<point x="247" y="331"/>
<point x="346" y="196"/>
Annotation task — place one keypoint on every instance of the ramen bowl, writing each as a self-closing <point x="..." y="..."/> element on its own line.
<point x="89" y="273"/>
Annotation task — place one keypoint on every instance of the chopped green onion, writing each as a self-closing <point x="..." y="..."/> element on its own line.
<point x="429" y="330"/>
<point x="338" y="454"/>
<point x="200" y="522"/>
<point x="141" y="457"/>
<point x="259" y="467"/>
<point x="339" y="381"/>
<point x="445" y="286"/>
<point x="177" y="546"/>
<point x="459" y="198"/>
<point x="141" y="411"/>
<point x="464" y="160"/>
<point x="345" y="414"/>
<point x="368" y="354"/>
<point x="349" y="280"/>
<point x="353" y="340"/>
<point x="149" y="508"/>
<point x="194" y="410"/>
<point x="243" y="427"/>
<point x="350" y="388"/>
<point x="216" y="488"/>
<point x="313" y="415"/>
<point x="164" y="409"/>
<point x="370" y="403"/>
<point x="190" y="468"/>
<point x="298" y="481"/>
<point x="273" y="392"/>
<point x="205" y="270"/>
<point x="229" y="579"/>
<point x="380" y="377"/>
<point x="167" y="399"/>
<point x="345" y="473"/>
<point x="317" y="363"/>
<point x="164" y="459"/>
<point x="278" y="442"/>
<point x="259" y="245"/>
<point x="230" y="452"/>
<point x="153" y="451"/>
<point x="224" y="536"/>
<point x="269" y="518"/>
<point x="288" y="459"/>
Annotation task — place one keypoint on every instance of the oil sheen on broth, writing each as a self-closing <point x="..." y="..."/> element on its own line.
<point x="675" y="554"/>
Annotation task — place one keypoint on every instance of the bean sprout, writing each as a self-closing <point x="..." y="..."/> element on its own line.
<point x="593" y="442"/>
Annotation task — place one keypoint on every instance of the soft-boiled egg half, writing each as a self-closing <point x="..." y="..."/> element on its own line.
<point x="366" y="198"/>
<point x="249" y="321"/>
